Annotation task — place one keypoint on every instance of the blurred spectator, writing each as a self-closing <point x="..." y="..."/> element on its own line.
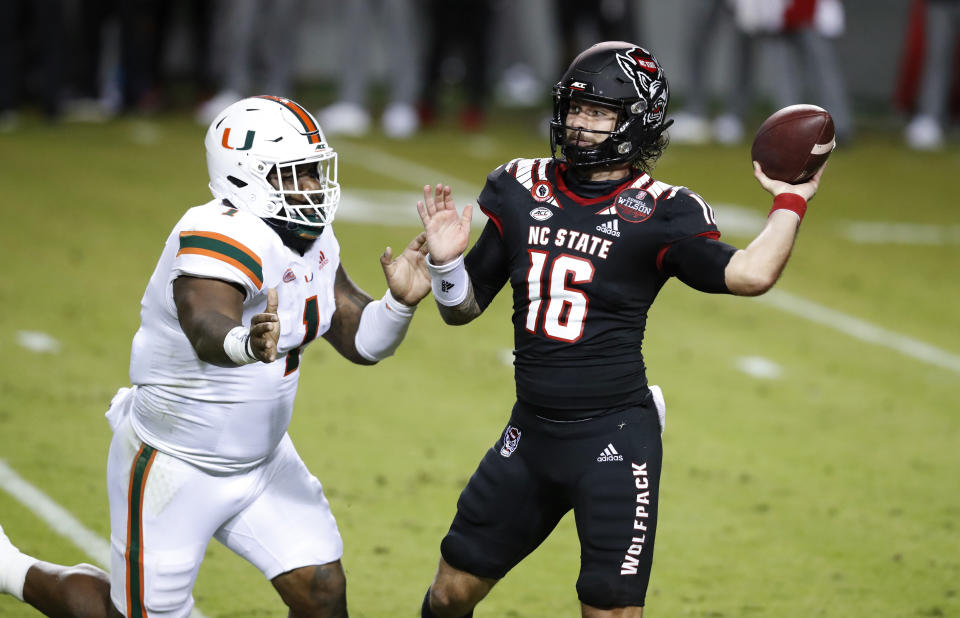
<point x="254" y="48"/>
<point x="691" y="124"/>
<point x="940" y="25"/>
<point x="582" y="23"/>
<point x="520" y="32"/>
<point x="806" y="38"/>
<point x="31" y="58"/>
<point x="390" y="24"/>
<point x="458" y="51"/>
<point x="112" y="74"/>
<point x="799" y="37"/>
<point x="86" y="98"/>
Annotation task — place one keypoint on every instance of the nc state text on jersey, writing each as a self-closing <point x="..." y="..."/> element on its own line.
<point x="572" y="239"/>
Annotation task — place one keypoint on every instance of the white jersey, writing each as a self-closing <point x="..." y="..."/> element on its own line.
<point x="227" y="418"/>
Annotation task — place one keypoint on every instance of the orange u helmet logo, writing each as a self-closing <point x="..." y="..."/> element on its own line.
<point x="247" y="144"/>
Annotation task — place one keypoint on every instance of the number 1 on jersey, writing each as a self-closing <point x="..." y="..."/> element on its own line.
<point x="566" y="308"/>
<point x="311" y="322"/>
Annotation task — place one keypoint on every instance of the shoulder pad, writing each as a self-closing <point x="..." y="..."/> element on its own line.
<point x="214" y="239"/>
<point x="529" y="173"/>
<point x="687" y="197"/>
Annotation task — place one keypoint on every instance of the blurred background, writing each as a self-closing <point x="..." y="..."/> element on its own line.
<point x="811" y="447"/>
<point x="402" y="65"/>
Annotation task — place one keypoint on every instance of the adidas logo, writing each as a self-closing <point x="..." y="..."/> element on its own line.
<point x="446" y="286"/>
<point x="611" y="227"/>
<point x="610" y="454"/>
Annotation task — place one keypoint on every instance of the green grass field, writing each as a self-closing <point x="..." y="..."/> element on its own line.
<point x="833" y="490"/>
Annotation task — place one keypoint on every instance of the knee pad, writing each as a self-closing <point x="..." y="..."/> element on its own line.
<point x="602" y="592"/>
<point x="464" y="555"/>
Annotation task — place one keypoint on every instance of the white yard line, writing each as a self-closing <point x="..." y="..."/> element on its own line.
<point x="759" y="367"/>
<point x="402" y="170"/>
<point x="36" y="341"/>
<point x="58" y="518"/>
<point x="885" y="233"/>
<point x="862" y="330"/>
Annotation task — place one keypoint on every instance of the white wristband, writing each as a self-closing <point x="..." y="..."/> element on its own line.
<point x="14" y="573"/>
<point x="237" y="346"/>
<point x="382" y="327"/>
<point x="449" y="281"/>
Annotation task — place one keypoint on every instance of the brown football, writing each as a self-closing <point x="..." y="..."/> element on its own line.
<point x="794" y="142"/>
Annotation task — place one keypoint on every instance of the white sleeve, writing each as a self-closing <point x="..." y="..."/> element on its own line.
<point x="383" y="324"/>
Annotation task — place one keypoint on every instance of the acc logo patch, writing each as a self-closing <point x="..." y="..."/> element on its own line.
<point x="541" y="213"/>
<point x="511" y="437"/>
<point x="288" y="275"/>
<point x="634" y="205"/>
<point x="541" y="191"/>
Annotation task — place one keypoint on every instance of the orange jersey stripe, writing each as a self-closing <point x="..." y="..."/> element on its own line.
<point x="228" y="240"/>
<point x="223" y="258"/>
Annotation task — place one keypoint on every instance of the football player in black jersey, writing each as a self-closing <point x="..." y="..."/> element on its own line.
<point x="586" y="239"/>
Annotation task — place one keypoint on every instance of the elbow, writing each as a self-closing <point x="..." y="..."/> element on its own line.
<point x="754" y="284"/>
<point x="455" y="317"/>
<point x="454" y="320"/>
<point x="357" y="356"/>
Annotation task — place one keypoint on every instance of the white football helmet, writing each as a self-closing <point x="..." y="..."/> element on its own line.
<point x="255" y="142"/>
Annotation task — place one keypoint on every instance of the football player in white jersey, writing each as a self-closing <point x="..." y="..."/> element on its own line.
<point x="200" y="447"/>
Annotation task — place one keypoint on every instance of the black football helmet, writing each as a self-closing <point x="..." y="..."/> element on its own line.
<point x="625" y="77"/>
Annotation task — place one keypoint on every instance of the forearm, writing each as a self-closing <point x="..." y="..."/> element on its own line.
<point x="383" y="325"/>
<point x="345" y="323"/>
<point x="463" y="312"/>
<point x="754" y="270"/>
<point x="453" y="291"/>
<point x="207" y="336"/>
<point x="207" y="310"/>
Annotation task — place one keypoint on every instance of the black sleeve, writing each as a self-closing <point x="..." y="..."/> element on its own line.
<point x="486" y="264"/>
<point x="686" y="215"/>
<point x="699" y="262"/>
<point x="489" y="198"/>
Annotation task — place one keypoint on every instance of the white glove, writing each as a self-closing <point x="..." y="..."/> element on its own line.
<point x="660" y="404"/>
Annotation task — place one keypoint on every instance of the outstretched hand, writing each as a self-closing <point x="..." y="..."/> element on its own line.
<point x="407" y="275"/>
<point x="265" y="330"/>
<point x="447" y="232"/>
<point x="806" y="190"/>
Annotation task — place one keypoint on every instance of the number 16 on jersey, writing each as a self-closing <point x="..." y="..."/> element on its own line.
<point x="564" y="308"/>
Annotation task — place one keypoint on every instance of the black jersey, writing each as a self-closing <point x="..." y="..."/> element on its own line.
<point x="584" y="272"/>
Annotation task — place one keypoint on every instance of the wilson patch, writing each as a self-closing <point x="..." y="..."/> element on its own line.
<point x="634" y="205"/>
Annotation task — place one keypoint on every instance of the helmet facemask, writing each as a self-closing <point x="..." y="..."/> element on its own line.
<point x="619" y="145"/>
<point x="308" y="197"/>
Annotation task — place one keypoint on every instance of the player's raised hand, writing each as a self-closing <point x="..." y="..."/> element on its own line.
<point x="407" y="275"/>
<point x="265" y="330"/>
<point x="775" y="187"/>
<point x="447" y="230"/>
